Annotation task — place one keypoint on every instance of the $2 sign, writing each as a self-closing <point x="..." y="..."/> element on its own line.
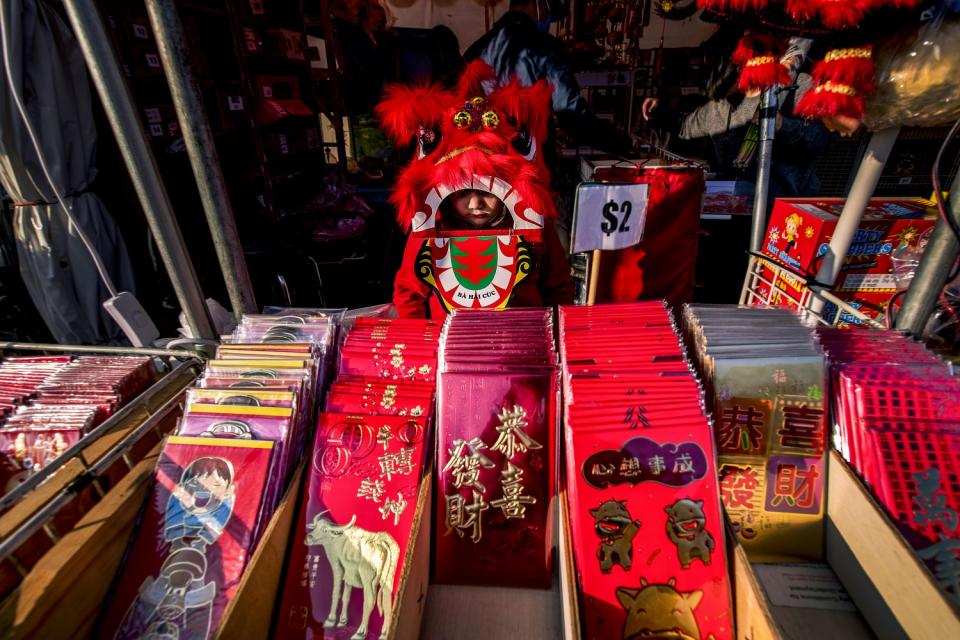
<point x="609" y="216"/>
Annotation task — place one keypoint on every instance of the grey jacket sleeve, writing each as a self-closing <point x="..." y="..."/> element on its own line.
<point x="716" y="117"/>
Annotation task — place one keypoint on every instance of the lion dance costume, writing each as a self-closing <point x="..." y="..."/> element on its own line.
<point x="468" y="139"/>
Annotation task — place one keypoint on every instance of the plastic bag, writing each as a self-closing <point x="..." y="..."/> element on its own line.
<point x="917" y="83"/>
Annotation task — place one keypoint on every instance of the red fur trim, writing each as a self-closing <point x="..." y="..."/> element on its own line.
<point x="835" y="14"/>
<point x="748" y="5"/>
<point x="763" y="76"/>
<point x="821" y="102"/>
<point x="471" y="82"/>
<point x="803" y="10"/>
<point x="717" y="6"/>
<point x="527" y="105"/>
<point x="403" y="110"/>
<point x="842" y="14"/>
<point x="849" y="67"/>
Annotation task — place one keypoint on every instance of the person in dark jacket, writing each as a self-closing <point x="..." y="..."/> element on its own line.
<point x="519" y="45"/>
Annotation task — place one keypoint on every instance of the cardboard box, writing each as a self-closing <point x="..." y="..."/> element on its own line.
<point x="799" y="234"/>
<point x="800" y="231"/>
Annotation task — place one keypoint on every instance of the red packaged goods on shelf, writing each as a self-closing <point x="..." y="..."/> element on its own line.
<point x="354" y="531"/>
<point x="496" y="457"/>
<point x="194" y="540"/>
<point x="671" y="237"/>
<point x="897" y="411"/>
<point x="641" y="479"/>
<point x="800" y="231"/>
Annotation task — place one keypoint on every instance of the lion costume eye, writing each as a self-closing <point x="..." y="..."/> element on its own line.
<point x="525" y="144"/>
<point x="427" y="142"/>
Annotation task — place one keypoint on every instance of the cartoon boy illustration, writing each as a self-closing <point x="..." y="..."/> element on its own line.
<point x="792" y="230"/>
<point x="178" y="602"/>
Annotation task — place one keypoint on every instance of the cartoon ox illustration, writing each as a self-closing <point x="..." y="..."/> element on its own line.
<point x="359" y="559"/>
<point x="660" y="612"/>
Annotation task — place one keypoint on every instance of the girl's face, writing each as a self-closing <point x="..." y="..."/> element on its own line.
<point x="477" y="208"/>
<point x="791" y="226"/>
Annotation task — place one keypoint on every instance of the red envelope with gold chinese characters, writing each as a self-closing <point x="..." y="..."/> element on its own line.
<point x="354" y="528"/>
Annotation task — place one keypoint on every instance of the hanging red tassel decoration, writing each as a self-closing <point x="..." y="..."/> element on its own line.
<point x="829" y="100"/>
<point x="833" y="14"/>
<point x="853" y="67"/>
<point x="758" y="57"/>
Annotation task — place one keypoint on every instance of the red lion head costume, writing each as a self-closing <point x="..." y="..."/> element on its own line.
<point x="468" y="140"/>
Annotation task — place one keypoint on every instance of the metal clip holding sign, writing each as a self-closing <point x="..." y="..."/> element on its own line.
<point x="609" y="216"/>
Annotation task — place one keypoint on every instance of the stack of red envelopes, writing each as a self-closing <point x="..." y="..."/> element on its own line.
<point x="765" y="378"/>
<point x="354" y="533"/>
<point x="641" y="479"/>
<point x="48" y="403"/>
<point x="496" y="458"/>
<point x="896" y="407"/>
<point x="218" y="481"/>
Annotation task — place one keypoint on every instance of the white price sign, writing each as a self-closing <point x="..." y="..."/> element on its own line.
<point x="609" y="216"/>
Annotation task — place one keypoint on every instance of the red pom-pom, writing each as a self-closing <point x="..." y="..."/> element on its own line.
<point x="830" y="100"/>
<point x="752" y="45"/>
<point x="853" y="67"/>
<point x="763" y="72"/>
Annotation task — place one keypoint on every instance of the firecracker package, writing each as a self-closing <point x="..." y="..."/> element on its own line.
<point x="365" y="491"/>
<point x="641" y="479"/>
<point x="765" y="377"/>
<point x="194" y="540"/>
<point x="496" y="458"/>
<point x="800" y="231"/>
<point x="896" y="411"/>
<point x="353" y="537"/>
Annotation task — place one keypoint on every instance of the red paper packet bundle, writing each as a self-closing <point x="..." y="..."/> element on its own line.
<point x="765" y="377"/>
<point x="394" y="349"/>
<point x="356" y="524"/>
<point x="641" y="479"/>
<point x="496" y="448"/>
<point x="896" y="407"/>
<point x="350" y="546"/>
<point x="194" y="541"/>
<point x="65" y="398"/>
<point x="20" y="378"/>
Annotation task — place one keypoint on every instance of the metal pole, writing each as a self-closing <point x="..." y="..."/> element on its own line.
<point x="118" y="104"/>
<point x="937" y="262"/>
<point x="175" y="56"/>
<point x="768" y="128"/>
<point x="871" y="167"/>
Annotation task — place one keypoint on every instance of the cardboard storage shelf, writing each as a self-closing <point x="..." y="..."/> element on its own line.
<point x="882" y="573"/>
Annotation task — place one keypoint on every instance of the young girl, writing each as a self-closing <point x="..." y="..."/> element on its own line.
<point x="469" y="211"/>
<point x="476" y="198"/>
